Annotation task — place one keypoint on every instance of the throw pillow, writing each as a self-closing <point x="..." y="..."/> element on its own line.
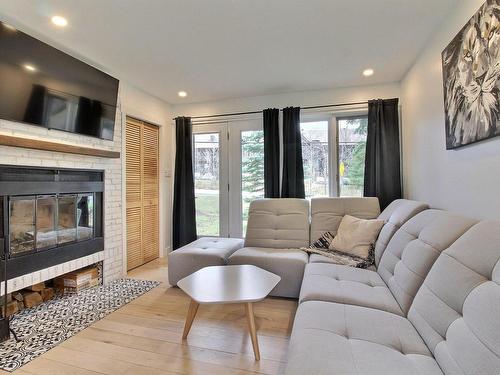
<point x="356" y="236"/>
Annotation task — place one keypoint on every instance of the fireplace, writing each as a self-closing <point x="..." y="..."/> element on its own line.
<point x="49" y="216"/>
<point x="46" y="230"/>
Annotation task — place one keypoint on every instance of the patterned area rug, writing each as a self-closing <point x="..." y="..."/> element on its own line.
<point x="45" y="326"/>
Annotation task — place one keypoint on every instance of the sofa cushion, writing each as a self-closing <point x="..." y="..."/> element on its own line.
<point x="457" y="309"/>
<point x="327" y="213"/>
<point x="204" y="252"/>
<point x="356" y="236"/>
<point x="287" y="263"/>
<point x="278" y="223"/>
<point x="354" y="286"/>
<point x="414" y="248"/>
<point x="317" y="258"/>
<point x="395" y="215"/>
<point x="331" y="338"/>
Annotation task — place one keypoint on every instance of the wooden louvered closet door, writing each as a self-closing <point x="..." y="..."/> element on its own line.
<point x="142" y="192"/>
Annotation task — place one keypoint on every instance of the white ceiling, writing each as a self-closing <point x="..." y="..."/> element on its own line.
<point x="216" y="49"/>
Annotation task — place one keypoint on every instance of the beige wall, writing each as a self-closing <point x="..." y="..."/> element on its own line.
<point x="465" y="180"/>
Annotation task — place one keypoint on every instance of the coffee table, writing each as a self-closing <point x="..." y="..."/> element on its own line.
<point x="228" y="284"/>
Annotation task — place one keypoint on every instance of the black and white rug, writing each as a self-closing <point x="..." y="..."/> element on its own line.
<point x="45" y="326"/>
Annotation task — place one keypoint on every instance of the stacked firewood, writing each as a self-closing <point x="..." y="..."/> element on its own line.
<point x="27" y="298"/>
<point x="71" y="282"/>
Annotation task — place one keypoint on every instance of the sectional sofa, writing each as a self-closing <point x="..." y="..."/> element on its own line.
<point x="278" y="228"/>
<point x="431" y="305"/>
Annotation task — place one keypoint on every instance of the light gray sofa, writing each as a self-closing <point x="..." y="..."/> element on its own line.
<point x="278" y="228"/>
<point x="404" y="264"/>
<point x="443" y="271"/>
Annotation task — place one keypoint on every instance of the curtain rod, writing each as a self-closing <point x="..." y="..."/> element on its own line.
<point x="255" y="112"/>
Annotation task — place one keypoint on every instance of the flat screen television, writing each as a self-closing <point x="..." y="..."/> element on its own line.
<point x="43" y="86"/>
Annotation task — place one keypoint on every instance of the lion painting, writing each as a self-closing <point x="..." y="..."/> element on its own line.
<point x="471" y="79"/>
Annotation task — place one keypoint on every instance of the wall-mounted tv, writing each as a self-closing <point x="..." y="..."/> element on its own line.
<point x="43" y="86"/>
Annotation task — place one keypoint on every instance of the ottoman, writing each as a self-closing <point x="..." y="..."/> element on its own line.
<point x="205" y="251"/>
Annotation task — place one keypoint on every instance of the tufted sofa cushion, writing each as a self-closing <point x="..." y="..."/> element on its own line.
<point x="415" y="247"/>
<point x="278" y="223"/>
<point x="331" y="338"/>
<point x="353" y="286"/>
<point x="327" y="213"/>
<point x="457" y="309"/>
<point x="289" y="264"/>
<point x="395" y="215"/>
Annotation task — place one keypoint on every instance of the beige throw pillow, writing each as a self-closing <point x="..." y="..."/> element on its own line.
<point x="356" y="236"/>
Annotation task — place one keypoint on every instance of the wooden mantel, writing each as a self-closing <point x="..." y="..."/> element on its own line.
<point x="35" y="144"/>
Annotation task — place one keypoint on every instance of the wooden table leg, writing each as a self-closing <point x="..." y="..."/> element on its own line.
<point x="253" y="333"/>
<point x="193" y="308"/>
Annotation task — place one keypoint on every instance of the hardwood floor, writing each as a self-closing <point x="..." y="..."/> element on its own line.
<point x="145" y="337"/>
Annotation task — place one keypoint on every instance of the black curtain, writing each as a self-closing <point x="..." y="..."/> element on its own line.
<point x="271" y="153"/>
<point x="292" y="185"/>
<point x="184" y="214"/>
<point x="382" y="162"/>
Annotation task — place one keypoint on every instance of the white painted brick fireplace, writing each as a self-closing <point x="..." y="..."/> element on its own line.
<point x="112" y="256"/>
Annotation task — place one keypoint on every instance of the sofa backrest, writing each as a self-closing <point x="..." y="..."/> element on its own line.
<point x="414" y="248"/>
<point x="457" y="309"/>
<point x="278" y="223"/>
<point x="327" y="213"/>
<point x="395" y="215"/>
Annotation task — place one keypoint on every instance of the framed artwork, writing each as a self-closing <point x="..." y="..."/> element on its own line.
<point x="471" y="73"/>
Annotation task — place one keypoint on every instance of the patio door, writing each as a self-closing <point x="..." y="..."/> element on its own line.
<point x="228" y="163"/>
<point x="211" y="181"/>
<point x="246" y="171"/>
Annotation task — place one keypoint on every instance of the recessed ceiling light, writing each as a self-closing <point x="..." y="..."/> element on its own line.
<point x="368" y="72"/>
<point x="29" y="67"/>
<point x="182" y="94"/>
<point x="59" y="21"/>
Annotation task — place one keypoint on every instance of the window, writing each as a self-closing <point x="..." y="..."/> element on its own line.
<point x="315" y="155"/>
<point x="337" y="144"/>
<point x="351" y="155"/>
<point x="228" y="164"/>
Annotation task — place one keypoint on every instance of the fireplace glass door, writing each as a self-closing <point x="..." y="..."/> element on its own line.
<point x="85" y="216"/>
<point x="66" y="218"/>
<point x="22" y="224"/>
<point x="46" y="230"/>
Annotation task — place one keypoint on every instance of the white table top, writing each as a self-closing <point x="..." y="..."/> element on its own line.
<point x="229" y="284"/>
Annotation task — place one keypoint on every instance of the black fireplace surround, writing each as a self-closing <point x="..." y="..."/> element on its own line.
<point x="49" y="216"/>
